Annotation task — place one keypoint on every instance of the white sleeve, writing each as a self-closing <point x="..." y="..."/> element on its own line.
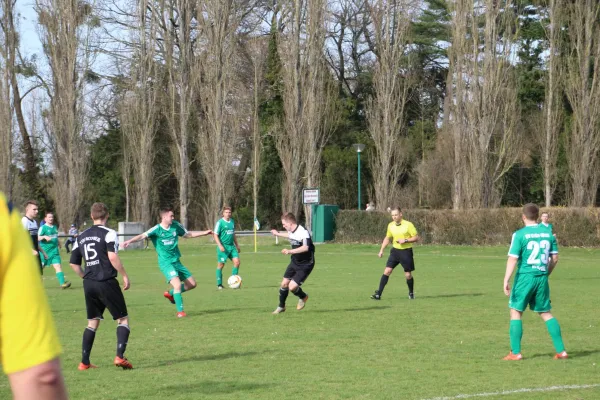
<point x="112" y="241"/>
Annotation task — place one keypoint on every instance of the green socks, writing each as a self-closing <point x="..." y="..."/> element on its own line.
<point x="516" y="333"/>
<point x="178" y="301"/>
<point x="554" y="330"/>
<point x="172" y="291"/>
<point x="61" y="277"/>
<point x="219" y="277"/>
<point x="234" y="271"/>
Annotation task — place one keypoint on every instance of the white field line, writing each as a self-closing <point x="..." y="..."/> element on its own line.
<point x="524" y="390"/>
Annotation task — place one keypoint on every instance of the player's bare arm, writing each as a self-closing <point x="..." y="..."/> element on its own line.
<point x="511" y="263"/>
<point x="302" y="249"/>
<point x="134" y="239"/>
<point x="193" y="234"/>
<point x="218" y="241"/>
<point x="552" y="264"/>
<point x="412" y="239"/>
<point x="275" y="232"/>
<point x="118" y="265"/>
<point x="384" y="244"/>
<point x="237" y="246"/>
<point x="77" y="269"/>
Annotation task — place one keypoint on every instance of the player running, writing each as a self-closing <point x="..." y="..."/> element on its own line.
<point x="534" y="252"/>
<point x="49" y="245"/>
<point x="227" y="245"/>
<point x="301" y="265"/>
<point x="165" y="237"/>
<point x="99" y="246"/>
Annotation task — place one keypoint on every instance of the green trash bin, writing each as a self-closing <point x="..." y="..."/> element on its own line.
<point x="323" y="222"/>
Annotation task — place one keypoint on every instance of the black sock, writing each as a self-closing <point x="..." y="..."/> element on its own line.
<point x="122" y="337"/>
<point x="89" y="334"/>
<point x="382" y="283"/>
<point x="283" y="294"/>
<point x="299" y="292"/>
<point x="411" y="283"/>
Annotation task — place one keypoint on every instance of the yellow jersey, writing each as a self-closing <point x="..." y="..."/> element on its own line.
<point x="404" y="230"/>
<point x="27" y="333"/>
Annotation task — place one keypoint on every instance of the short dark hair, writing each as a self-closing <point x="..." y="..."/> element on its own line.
<point x="289" y="217"/>
<point x="164" y="210"/>
<point x="48" y="212"/>
<point x="531" y="211"/>
<point x="225" y="208"/>
<point x="32" y="203"/>
<point x="99" y="211"/>
<point x="396" y="208"/>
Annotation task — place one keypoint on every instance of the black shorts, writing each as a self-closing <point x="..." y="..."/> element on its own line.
<point x="100" y="295"/>
<point x="403" y="257"/>
<point x="298" y="273"/>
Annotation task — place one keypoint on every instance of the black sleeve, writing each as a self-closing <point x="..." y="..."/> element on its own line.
<point x="76" y="254"/>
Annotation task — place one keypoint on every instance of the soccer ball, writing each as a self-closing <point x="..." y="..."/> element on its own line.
<point x="234" y="281"/>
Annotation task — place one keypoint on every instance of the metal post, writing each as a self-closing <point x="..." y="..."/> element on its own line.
<point x="358" y="179"/>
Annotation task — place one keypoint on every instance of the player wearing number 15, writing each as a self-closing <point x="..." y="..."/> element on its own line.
<point x="534" y="253"/>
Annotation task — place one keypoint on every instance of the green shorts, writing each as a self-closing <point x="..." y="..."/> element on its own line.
<point x="230" y="252"/>
<point x="51" y="260"/>
<point x="174" y="270"/>
<point x="530" y="289"/>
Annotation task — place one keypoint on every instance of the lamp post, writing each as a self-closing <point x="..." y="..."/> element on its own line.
<point x="359" y="148"/>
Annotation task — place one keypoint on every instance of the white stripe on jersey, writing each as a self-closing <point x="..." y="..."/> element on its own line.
<point x="30" y="225"/>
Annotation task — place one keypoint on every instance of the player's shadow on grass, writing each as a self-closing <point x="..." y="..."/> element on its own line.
<point x="371" y="308"/>
<point x="212" y="387"/>
<point x="205" y="357"/>
<point x="438" y="296"/>
<point x="572" y="354"/>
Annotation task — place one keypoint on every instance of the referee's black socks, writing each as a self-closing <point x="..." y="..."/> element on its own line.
<point x="89" y="334"/>
<point x="382" y="283"/>
<point x="411" y="284"/>
<point x="122" y="337"/>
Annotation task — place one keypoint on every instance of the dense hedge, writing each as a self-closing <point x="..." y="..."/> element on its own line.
<point x="572" y="226"/>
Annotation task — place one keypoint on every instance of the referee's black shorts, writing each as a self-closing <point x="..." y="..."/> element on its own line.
<point x="100" y="295"/>
<point x="298" y="273"/>
<point x="403" y="257"/>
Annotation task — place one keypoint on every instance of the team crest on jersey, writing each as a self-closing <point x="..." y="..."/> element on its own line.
<point x="174" y="233"/>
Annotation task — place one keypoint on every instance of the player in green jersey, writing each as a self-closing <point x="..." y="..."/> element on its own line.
<point x="227" y="245"/>
<point x="49" y="245"/>
<point x="165" y="237"/>
<point x="534" y="253"/>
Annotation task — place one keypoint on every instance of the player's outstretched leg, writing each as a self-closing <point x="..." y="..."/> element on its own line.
<point x="382" y="282"/>
<point x="298" y="292"/>
<point x="236" y="266"/>
<point x="61" y="277"/>
<point x="89" y="334"/>
<point x="122" y="338"/>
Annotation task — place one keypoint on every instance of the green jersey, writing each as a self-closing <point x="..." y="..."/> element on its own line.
<point x="549" y="226"/>
<point x="226" y="231"/>
<point x="533" y="245"/>
<point x="166" y="241"/>
<point x="50" y="246"/>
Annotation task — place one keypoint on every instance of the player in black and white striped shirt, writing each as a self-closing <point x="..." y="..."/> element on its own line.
<point x="302" y="262"/>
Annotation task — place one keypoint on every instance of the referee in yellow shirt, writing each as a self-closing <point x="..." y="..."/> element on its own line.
<point x="402" y="234"/>
<point x="29" y="346"/>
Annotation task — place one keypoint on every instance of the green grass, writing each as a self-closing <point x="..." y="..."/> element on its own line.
<point x="449" y="341"/>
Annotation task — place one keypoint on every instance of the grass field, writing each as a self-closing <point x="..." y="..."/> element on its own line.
<point x="446" y="343"/>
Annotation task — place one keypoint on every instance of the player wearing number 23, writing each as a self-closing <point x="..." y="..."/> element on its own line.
<point x="534" y="252"/>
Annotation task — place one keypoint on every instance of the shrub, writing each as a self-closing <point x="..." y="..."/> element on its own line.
<point x="572" y="226"/>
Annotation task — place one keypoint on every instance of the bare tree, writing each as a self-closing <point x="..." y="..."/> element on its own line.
<point x="6" y="111"/>
<point x="63" y="37"/>
<point x="483" y="107"/>
<point x="553" y="108"/>
<point x="582" y="86"/>
<point x="138" y="113"/>
<point x="386" y="110"/>
<point x="220" y="113"/>
<point x="306" y="96"/>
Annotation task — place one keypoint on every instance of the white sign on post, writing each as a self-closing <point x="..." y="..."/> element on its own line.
<point x="310" y="196"/>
